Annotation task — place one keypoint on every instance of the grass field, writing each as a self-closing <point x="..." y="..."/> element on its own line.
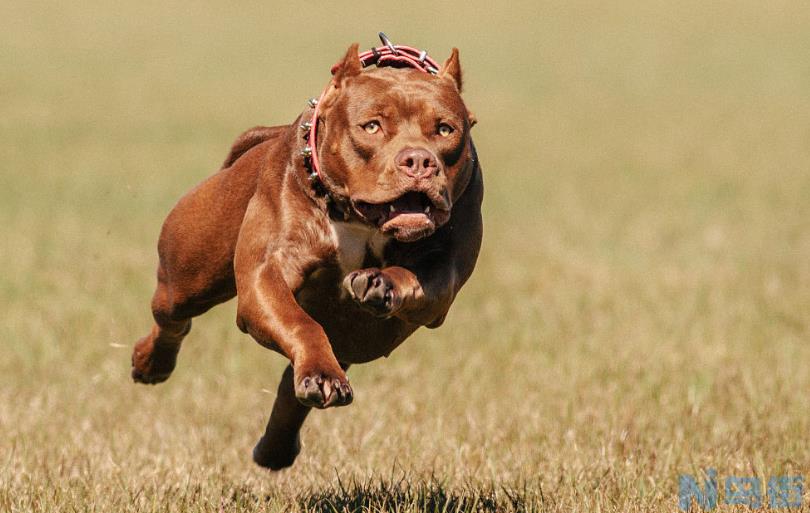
<point x="641" y="307"/>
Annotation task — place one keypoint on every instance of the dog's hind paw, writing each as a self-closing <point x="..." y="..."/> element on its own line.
<point x="153" y="364"/>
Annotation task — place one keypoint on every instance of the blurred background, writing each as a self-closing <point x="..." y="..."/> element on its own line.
<point x="640" y="307"/>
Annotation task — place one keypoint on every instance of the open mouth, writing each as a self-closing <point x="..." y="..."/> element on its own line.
<point x="408" y="217"/>
<point x="409" y="203"/>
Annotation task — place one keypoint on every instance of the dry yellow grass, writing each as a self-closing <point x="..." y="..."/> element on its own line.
<point x="640" y="309"/>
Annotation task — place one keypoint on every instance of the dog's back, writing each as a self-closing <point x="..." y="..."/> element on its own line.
<point x="250" y="138"/>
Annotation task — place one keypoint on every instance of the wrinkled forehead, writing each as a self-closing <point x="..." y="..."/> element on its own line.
<point x="403" y="93"/>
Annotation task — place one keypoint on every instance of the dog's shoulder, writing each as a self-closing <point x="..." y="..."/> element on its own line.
<point x="250" y="138"/>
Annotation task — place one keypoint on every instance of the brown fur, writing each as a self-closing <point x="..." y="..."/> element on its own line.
<point x="323" y="290"/>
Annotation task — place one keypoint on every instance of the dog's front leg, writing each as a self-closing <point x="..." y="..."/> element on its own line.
<point x="281" y="442"/>
<point x="267" y="274"/>
<point x="399" y="292"/>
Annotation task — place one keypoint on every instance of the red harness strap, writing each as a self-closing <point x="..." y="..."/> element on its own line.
<point x="394" y="56"/>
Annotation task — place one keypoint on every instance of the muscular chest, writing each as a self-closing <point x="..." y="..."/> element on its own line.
<point x="341" y="248"/>
<point x="358" y="246"/>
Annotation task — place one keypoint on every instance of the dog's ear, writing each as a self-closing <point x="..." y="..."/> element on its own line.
<point x="452" y="69"/>
<point x="349" y="66"/>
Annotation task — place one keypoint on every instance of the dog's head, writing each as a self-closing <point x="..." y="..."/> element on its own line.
<point x="396" y="143"/>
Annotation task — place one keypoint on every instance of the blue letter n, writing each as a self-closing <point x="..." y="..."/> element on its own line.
<point x="688" y="489"/>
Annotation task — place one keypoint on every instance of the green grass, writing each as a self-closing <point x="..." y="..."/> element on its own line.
<point x="639" y="311"/>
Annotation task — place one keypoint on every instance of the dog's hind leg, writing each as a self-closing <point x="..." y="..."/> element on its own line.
<point x="155" y="355"/>
<point x="174" y="303"/>
<point x="281" y="442"/>
<point x="195" y="249"/>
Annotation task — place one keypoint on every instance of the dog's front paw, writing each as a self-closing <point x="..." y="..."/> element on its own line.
<point x="373" y="290"/>
<point x="321" y="385"/>
<point x="276" y="453"/>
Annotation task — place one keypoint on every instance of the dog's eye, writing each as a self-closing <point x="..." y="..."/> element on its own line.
<point x="445" y="130"/>
<point x="372" y="127"/>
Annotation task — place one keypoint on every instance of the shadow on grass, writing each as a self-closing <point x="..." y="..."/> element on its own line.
<point x="404" y="495"/>
<point x="377" y="495"/>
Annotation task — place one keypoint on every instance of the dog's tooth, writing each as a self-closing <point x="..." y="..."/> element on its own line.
<point x="427" y="209"/>
<point x="390" y="208"/>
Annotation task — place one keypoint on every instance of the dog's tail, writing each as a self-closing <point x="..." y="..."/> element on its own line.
<point x="248" y="139"/>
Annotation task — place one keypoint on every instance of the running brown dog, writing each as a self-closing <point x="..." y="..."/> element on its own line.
<point x="332" y="267"/>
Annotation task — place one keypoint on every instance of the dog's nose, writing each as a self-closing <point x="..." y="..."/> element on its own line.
<point x="417" y="162"/>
